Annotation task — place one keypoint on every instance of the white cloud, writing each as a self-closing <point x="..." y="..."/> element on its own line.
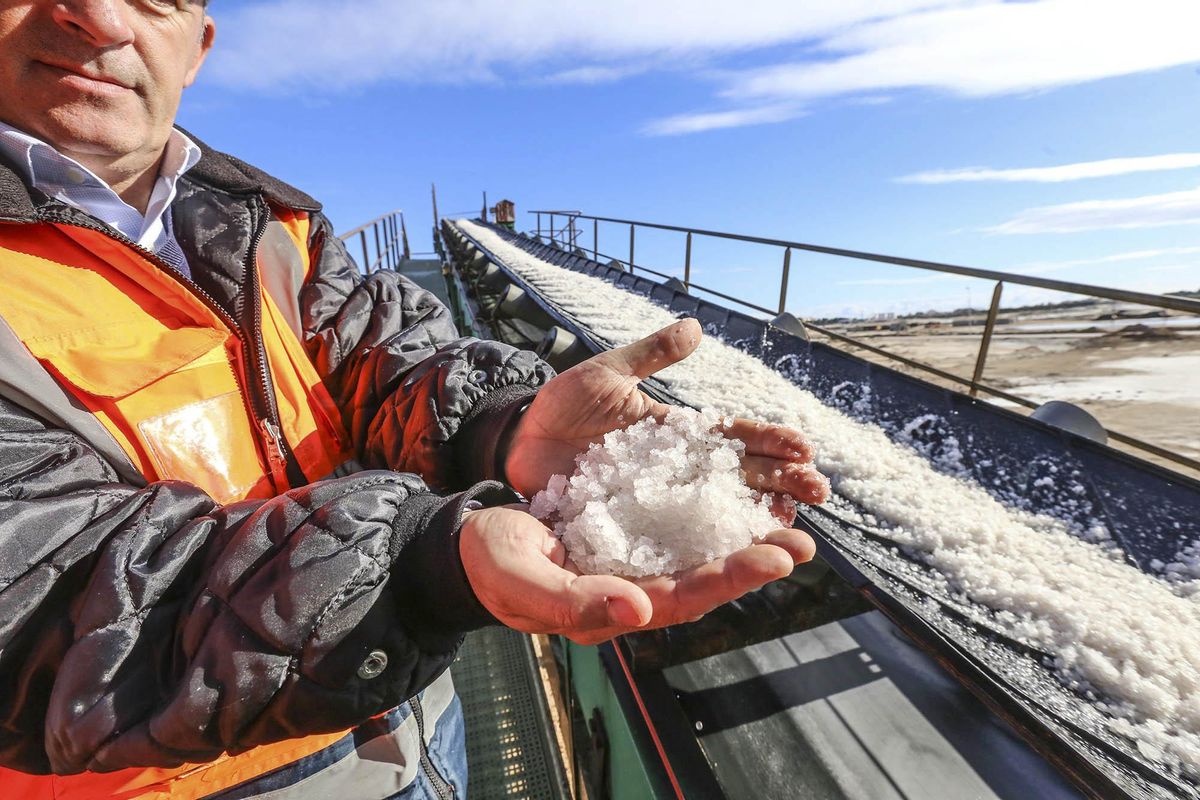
<point x="870" y="100"/>
<point x="990" y="48"/>
<point x="594" y="74"/>
<point x="302" y="44"/>
<point x="897" y="281"/>
<point x="1016" y="296"/>
<point x="855" y="48"/>
<point x="713" y="120"/>
<point x="1042" y="267"/>
<point x="1150" y="211"/>
<point x="1064" y="172"/>
<point x="1186" y="268"/>
<point x="1045" y="267"/>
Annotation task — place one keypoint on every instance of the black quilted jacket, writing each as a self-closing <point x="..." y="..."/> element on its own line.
<point x="144" y="625"/>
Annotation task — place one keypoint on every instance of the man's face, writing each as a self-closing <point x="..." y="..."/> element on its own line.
<point x="99" y="77"/>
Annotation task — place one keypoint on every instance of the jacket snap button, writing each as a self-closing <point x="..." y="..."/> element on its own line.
<point x="478" y="376"/>
<point x="373" y="666"/>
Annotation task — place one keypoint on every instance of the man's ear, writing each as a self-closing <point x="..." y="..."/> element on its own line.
<point x="208" y="35"/>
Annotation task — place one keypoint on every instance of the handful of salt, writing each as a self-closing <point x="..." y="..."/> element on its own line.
<point x="656" y="498"/>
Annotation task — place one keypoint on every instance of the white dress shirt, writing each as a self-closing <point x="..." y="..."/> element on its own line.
<point x="65" y="179"/>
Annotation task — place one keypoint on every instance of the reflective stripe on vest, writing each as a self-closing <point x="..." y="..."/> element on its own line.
<point x="160" y="371"/>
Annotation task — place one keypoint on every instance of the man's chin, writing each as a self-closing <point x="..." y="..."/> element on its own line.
<point x="88" y="130"/>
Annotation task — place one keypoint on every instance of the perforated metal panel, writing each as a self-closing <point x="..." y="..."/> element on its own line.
<point x="509" y="733"/>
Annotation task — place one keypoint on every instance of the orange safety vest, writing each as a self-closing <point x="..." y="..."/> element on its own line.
<point x="163" y="371"/>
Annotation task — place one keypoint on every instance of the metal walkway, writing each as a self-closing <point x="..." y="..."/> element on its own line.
<point x="511" y="753"/>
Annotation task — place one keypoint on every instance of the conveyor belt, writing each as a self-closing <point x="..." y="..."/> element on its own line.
<point x="1150" y="511"/>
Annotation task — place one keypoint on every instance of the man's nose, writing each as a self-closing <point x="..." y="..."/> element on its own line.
<point x="103" y="23"/>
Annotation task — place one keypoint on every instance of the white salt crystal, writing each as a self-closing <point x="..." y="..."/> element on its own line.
<point x="656" y="498"/>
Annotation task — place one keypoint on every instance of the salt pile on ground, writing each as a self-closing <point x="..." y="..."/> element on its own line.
<point x="656" y="498"/>
<point x="1115" y="632"/>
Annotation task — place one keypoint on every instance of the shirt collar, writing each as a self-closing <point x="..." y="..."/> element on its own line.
<point x="51" y="172"/>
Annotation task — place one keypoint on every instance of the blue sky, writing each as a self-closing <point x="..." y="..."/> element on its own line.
<point x="847" y="123"/>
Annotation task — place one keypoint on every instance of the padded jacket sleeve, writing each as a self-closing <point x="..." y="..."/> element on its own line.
<point x="149" y="627"/>
<point x="415" y="396"/>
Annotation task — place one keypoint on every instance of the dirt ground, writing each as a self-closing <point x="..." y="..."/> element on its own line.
<point x="1140" y="380"/>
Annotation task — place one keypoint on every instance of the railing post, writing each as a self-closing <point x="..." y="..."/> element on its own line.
<point x="404" y="237"/>
<point x="375" y="228"/>
<point x="631" y="247"/>
<point x="687" y="263"/>
<point x="986" y="342"/>
<point x="572" y="233"/>
<point x="551" y="229"/>
<point x="394" y="242"/>
<point x="387" y="241"/>
<point x="595" y="240"/>
<point x="539" y="216"/>
<point x="783" y="283"/>
<point x="362" y="237"/>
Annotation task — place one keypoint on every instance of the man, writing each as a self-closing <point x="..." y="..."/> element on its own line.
<point x="223" y="571"/>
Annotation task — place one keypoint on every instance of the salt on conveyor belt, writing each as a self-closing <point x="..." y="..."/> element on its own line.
<point x="656" y="498"/>
<point x="1126" y="637"/>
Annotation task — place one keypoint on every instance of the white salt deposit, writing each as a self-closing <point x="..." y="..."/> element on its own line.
<point x="1184" y="570"/>
<point x="1116" y="632"/>
<point x="654" y="499"/>
<point x="1146" y="379"/>
<point x="947" y="457"/>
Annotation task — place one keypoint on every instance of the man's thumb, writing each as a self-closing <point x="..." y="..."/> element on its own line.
<point x="601" y="601"/>
<point x="657" y="351"/>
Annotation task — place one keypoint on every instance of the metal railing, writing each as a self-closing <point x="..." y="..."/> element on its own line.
<point x="569" y="229"/>
<point x="390" y="236"/>
<point x="974" y="384"/>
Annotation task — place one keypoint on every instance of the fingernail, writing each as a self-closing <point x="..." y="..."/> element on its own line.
<point x="622" y="613"/>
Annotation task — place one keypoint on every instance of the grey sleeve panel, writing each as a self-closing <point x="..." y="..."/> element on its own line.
<point x="24" y="381"/>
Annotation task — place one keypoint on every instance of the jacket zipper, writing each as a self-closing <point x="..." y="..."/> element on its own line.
<point x="262" y="407"/>
<point x="443" y="789"/>
<point x="278" y="453"/>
